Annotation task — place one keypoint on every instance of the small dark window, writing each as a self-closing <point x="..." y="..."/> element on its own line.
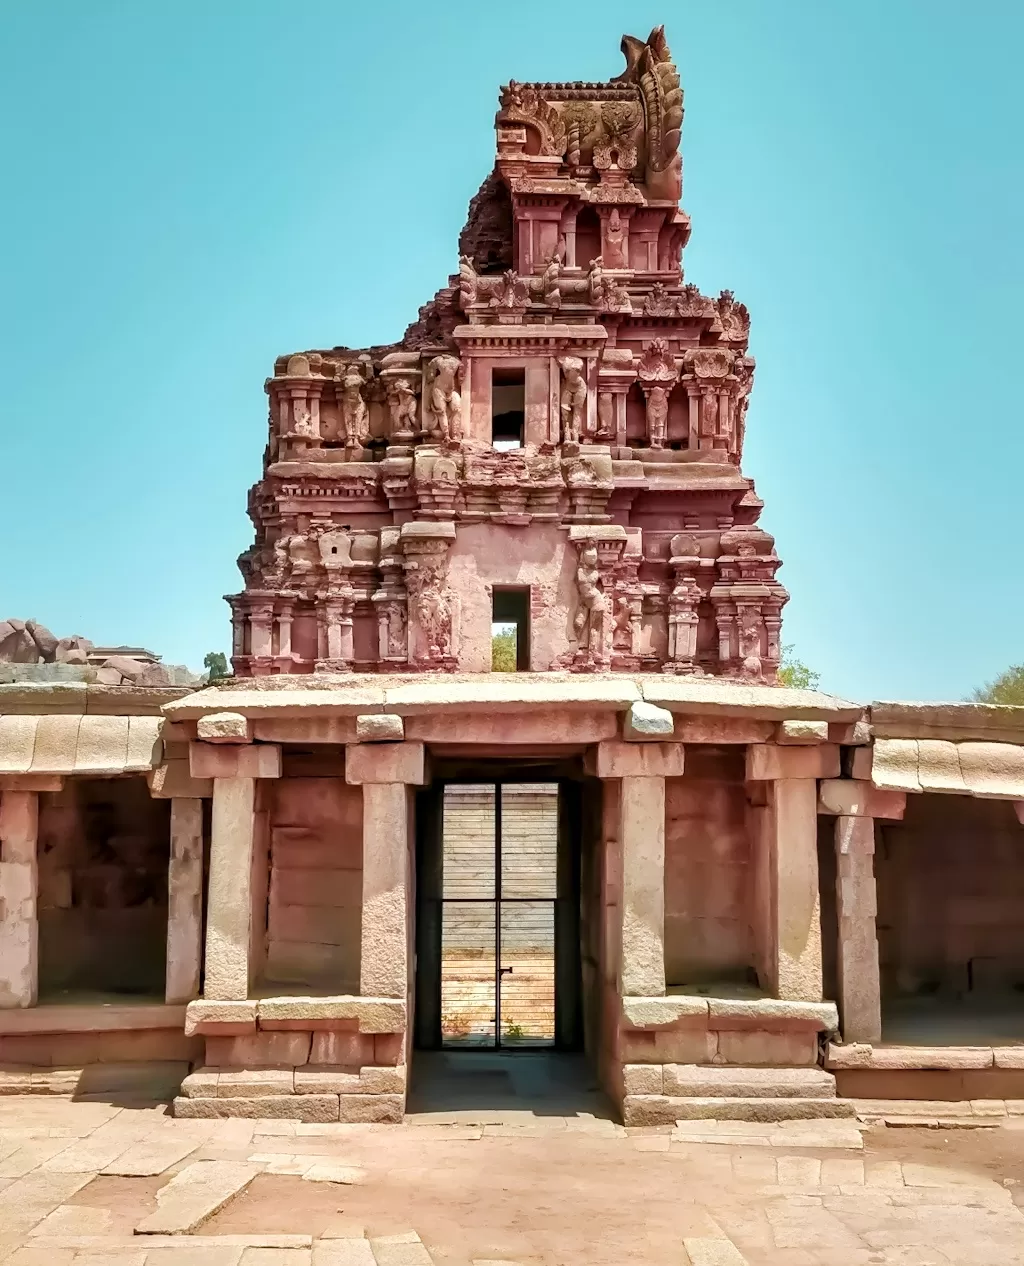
<point x="508" y="408"/>
<point x="510" y="630"/>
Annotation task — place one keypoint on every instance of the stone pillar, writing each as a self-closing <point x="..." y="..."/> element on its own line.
<point x="234" y="770"/>
<point x="184" y="901"/>
<point x="642" y="769"/>
<point x="856" y="805"/>
<point x="19" y="884"/>
<point x="793" y="843"/>
<point x="643" y="887"/>
<point x="386" y="772"/>
<point x="860" y="996"/>
<point x="788" y="841"/>
<point x="228" y="895"/>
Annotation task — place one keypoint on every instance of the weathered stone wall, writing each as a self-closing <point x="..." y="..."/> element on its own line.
<point x="708" y="870"/>
<point x="950" y="884"/>
<point x="104" y="847"/>
<point x="315" y="889"/>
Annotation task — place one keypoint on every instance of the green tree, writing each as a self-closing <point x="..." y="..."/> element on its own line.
<point x="216" y="665"/>
<point x="503" y="649"/>
<point x="1008" y="687"/>
<point x="795" y="673"/>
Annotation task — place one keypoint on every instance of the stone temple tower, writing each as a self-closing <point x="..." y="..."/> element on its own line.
<point x="555" y="442"/>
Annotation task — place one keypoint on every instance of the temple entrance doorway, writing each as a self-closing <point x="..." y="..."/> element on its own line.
<point x="498" y="998"/>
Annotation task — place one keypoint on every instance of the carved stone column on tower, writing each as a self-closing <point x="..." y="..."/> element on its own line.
<point x="706" y="374"/>
<point x="433" y="629"/>
<point x="598" y="550"/>
<point x="683" y="601"/>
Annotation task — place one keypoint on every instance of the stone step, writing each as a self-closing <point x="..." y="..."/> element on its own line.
<point x="729" y="1109"/>
<point x="711" y="1081"/>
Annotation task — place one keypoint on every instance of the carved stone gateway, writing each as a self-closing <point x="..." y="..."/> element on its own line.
<point x="564" y="419"/>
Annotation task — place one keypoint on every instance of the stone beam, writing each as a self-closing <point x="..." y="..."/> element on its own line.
<point x="385" y="763"/>
<point x="221" y="760"/>
<point x="616" y="759"/>
<point x="769" y="761"/>
<point x="855" y="798"/>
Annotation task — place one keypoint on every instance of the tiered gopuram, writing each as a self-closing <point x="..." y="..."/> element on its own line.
<point x="555" y="442"/>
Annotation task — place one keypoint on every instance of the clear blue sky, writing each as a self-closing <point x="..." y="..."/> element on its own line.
<point x="193" y="188"/>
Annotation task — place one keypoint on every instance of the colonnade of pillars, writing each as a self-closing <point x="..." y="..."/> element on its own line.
<point x="797" y="783"/>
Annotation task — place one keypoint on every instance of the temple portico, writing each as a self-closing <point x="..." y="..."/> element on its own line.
<point x="504" y="762"/>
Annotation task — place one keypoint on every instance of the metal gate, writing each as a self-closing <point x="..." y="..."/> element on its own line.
<point x="496" y="902"/>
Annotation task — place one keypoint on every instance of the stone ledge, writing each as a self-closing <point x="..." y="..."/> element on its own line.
<point x="721" y="1081"/>
<point x="308" y="1108"/>
<point x="373" y="1015"/>
<point x="863" y="1055"/>
<point x="101" y="1018"/>
<point x="649" y="1013"/>
<point x="220" y="1019"/>
<point x="668" y="1109"/>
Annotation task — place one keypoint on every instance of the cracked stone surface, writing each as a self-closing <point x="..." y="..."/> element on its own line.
<point x="543" y="1191"/>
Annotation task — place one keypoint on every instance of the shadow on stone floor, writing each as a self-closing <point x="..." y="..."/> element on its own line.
<point x="485" y="1087"/>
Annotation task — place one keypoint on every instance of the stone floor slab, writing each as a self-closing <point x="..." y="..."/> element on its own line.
<point x="151" y="1156"/>
<point x="195" y="1195"/>
<point x="704" y="1252"/>
<point x="347" y="1252"/>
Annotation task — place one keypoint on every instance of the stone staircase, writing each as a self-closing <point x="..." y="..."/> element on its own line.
<point x="694" y="1092"/>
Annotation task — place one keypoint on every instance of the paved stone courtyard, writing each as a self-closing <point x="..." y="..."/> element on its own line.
<point x="97" y="1184"/>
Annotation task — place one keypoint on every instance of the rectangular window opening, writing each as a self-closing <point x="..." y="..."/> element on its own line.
<point x="508" y="408"/>
<point x="510" y="630"/>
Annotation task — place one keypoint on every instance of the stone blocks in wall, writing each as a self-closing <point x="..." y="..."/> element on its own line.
<point x="802" y="733"/>
<point x="767" y="762"/>
<point x="255" y="760"/>
<point x="614" y="759"/>
<point x="224" y="727"/>
<point x="379" y="727"/>
<point x="385" y="763"/>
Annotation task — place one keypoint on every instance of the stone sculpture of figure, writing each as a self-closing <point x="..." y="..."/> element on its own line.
<point x="402" y="407"/>
<point x="750" y="644"/>
<point x="573" y="398"/>
<point x="467" y="283"/>
<point x="432" y="608"/>
<point x="657" y="372"/>
<point x="354" y="414"/>
<point x="709" y="412"/>
<point x="657" y="415"/>
<point x="303" y="427"/>
<point x="443" y="400"/>
<point x="596" y="281"/>
<point x="614" y="241"/>
<point x="396" y="623"/>
<point x="549" y="282"/>
<point x="589" y="622"/>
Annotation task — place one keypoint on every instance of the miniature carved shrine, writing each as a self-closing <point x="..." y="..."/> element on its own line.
<point x="561" y="427"/>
